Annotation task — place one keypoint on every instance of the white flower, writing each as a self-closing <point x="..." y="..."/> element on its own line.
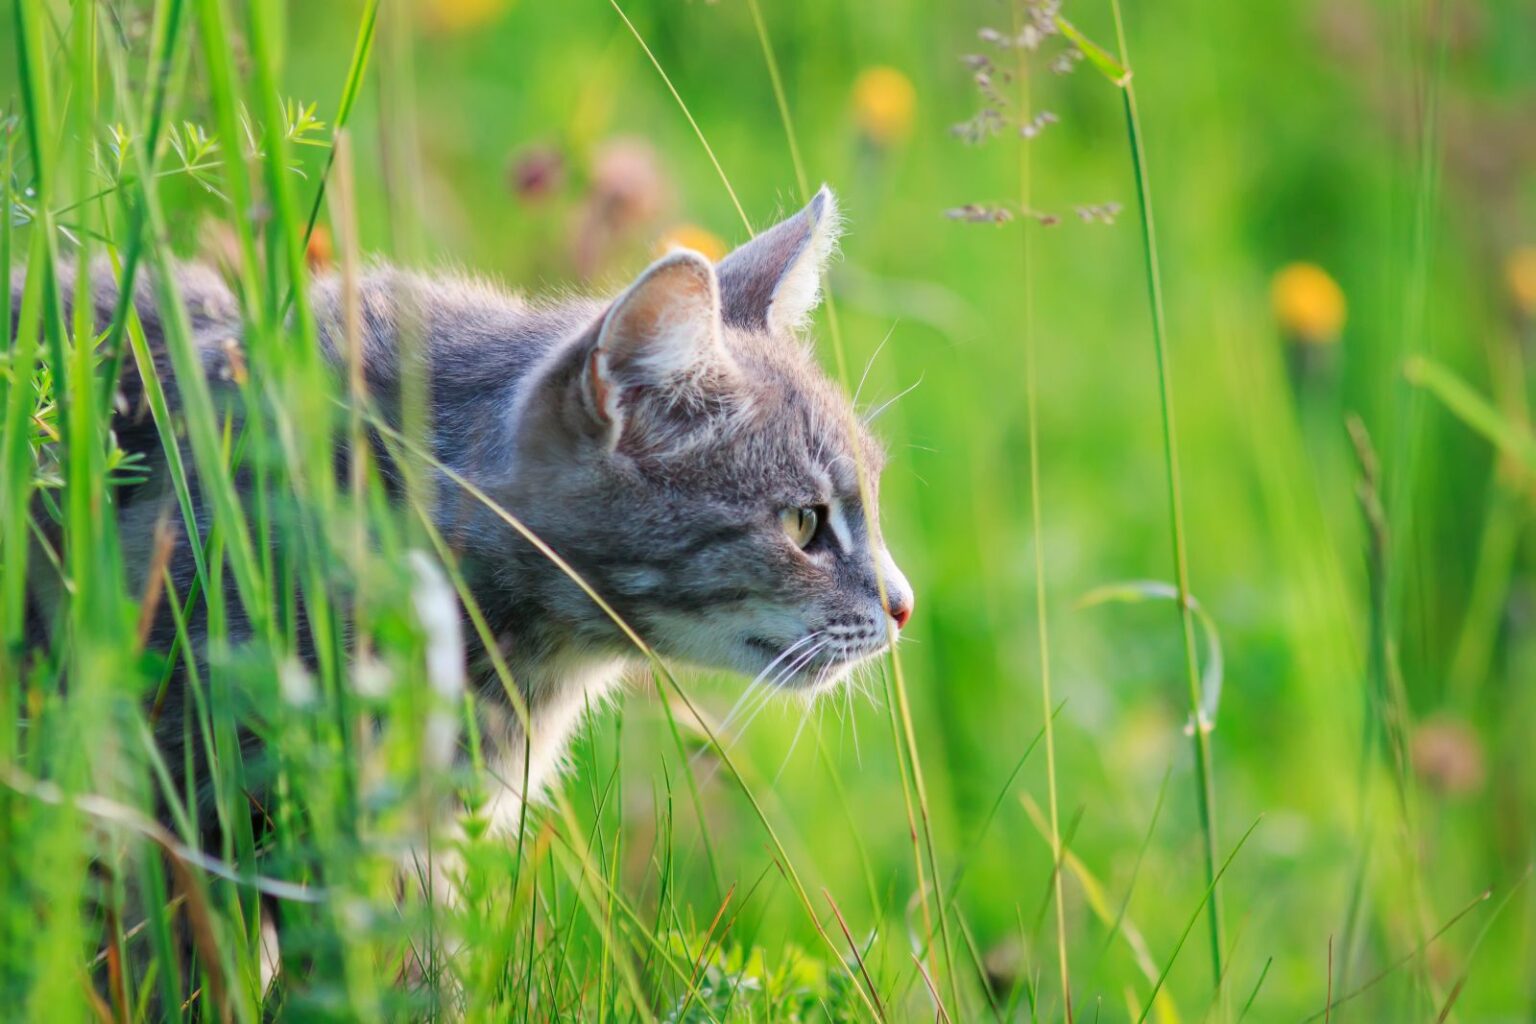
<point x="296" y="684"/>
<point x="437" y="609"/>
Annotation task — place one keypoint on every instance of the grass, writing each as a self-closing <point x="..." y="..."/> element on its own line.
<point x="1205" y="772"/>
<point x="901" y="862"/>
<point x="1032" y="419"/>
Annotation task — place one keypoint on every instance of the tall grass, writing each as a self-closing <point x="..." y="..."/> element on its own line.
<point x="895" y="880"/>
<point x="1205" y="772"/>
<point x="1037" y="535"/>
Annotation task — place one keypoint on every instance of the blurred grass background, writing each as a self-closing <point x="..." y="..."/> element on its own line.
<point x="1390" y="145"/>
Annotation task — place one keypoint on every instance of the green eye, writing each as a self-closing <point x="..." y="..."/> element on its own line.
<point x="799" y="524"/>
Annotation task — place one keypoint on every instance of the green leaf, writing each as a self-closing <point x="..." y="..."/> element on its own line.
<point x="1471" y="408"/>
<point x="1099" y="57"/>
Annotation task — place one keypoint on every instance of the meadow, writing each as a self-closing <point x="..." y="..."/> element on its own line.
<point x="1197" y="333"/>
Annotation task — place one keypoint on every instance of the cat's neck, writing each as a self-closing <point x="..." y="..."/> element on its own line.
<point x="556" y="693"/>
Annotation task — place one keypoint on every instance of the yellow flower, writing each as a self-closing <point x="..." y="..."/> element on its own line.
<point x="1520" y="275"/>
<point x="1308" y="303"/>
<point x="883" y="103"/>
<point x="691" y="236"/>
<point x="460" y="15"/>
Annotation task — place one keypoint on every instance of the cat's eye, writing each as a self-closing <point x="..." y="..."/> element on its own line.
<point x="800" y="525"/>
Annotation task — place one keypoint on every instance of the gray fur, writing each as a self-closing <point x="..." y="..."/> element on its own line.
<point x="752" y="277"/>
<point x="651" y="441"/>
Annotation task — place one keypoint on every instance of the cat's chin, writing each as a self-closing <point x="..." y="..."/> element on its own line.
<point x="815" y="681"/>
<point x="818" y="675"/>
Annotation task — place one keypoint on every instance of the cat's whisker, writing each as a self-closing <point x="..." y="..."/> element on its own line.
<point x="756" y="693"/>
<point x="783" y="675"/>
<point x="791" y="752"/>
<point x="870" y="363"/>
<point x="752" y="690"/>
<point x="813" y="635"/>
<point x="853" y="722"/>
<point x="727" y="743"/>
<point x="845" y="710"/>
<point x="804" y="659"/>
<point x="903" y="393"/>
<point x="757" y="709"/>
<point x="767" y="692"/>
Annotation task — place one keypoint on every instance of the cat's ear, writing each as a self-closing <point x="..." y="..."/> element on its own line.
<point x="773" y="283"/>
<point x="659" y="340"/>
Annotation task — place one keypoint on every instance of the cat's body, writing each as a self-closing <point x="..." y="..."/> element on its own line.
<point x="677" y="446"/>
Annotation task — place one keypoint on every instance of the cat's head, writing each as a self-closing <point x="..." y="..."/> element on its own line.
<point x="704" y="474"/>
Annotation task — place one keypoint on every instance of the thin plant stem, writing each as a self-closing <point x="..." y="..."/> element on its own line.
<point x="361" y="51"/>
<point x="777" y="81"/>
<point x="1205" y="783"/>
<point x="1388" y="716"/>
<point x="708" y="150"/>
<point x="1205" y="899"/>
<point x="1263" y="973"/>
<point x="1042" y="628"/>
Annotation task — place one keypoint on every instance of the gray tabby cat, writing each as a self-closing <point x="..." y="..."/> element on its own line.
<point x="677" y="445"/>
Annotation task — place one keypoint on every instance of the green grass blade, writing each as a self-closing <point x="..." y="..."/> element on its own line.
<point x="1037" y="519"/>
<point x="1103" y="62"/>
<point x="1193" y="919"/>
<point x="1205" y="782"/>
<point x="1472" y="409"/>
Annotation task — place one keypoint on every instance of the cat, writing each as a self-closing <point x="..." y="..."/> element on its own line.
<point x="677" y="445"/>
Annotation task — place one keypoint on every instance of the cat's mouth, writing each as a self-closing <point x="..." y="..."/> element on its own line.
<point x="811" y="663"/>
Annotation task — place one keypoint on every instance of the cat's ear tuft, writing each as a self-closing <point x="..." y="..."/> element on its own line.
<point x="661" y="335"/>
<point x="773" y="283"/>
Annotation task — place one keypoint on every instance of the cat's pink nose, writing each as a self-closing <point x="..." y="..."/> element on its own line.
<point x="901" y="610"/>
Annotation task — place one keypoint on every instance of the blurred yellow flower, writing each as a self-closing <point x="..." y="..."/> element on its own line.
<point x="1520" y="275"/>
<point x="460" y="15"/>
<point x="691" y="236"/>
<point x="1308" y="303"/>
<point x="883" y="103"/>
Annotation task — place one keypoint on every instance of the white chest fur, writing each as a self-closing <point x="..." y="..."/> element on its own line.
<point x="561" y="700"/>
